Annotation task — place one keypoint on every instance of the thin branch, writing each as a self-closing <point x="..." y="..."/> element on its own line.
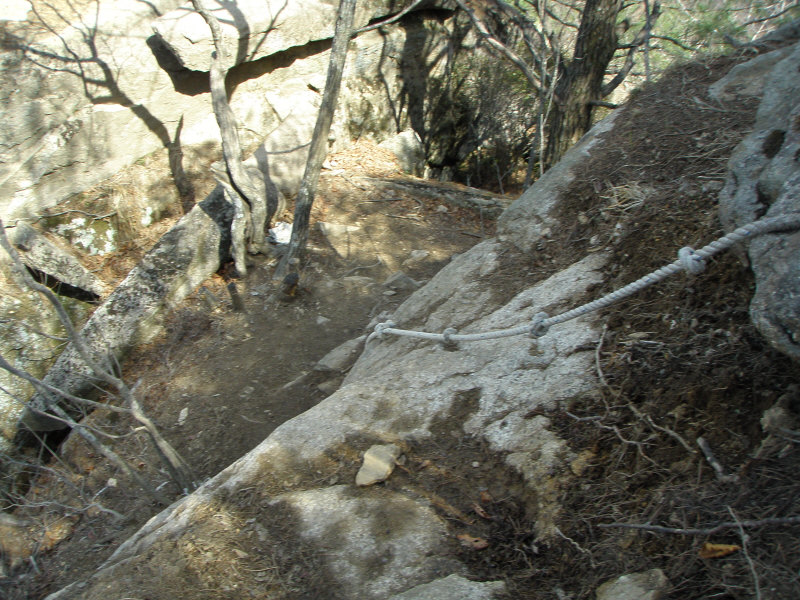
<point x="745" y="538"/>
<point x="501" y="48"/>
<point x="641" y="39"/>
<point x="706" y="530"/>
<point x="770" y="17"/>
<point x="390" y="20"/>
<point x="712" y="460"/>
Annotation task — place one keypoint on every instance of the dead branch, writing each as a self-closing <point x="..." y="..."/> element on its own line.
<point x="242" y="190"/>
<point x="745" y="538"/>
<point x="319" y="139"/>
<point x="390" y="20"/>
<point x="174" y="463"/>
<point x="712" y="460"/>
<point x="703" y="530"/>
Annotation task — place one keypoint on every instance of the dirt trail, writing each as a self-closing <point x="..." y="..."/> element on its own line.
<point x="219" y="381"/>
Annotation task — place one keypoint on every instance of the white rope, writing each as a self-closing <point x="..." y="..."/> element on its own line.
<point x="689" y="260"/>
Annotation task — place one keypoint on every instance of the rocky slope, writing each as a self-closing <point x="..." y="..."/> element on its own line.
<point x="520" y="461"/>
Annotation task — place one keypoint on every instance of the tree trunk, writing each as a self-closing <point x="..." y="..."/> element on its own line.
<point x="238" y="181"/>
<point x="319" y="141"/>
<point x="582" y="79"/>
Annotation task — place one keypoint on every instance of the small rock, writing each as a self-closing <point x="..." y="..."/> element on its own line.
<point x="379" y="462"/>
<point x="343" y="356"/>
<point x="112" y="482"/>
<point x="401" y="281"/>
<point x="322" y="320"/>
<point x="389" y="293"/>
<point x="442" y="209"/>
<point x="182" y="415"/>
<point x="281" y="233"/>
<point x="776" y="418"/>
<point x="416" y="256"/>
<point x="648" y="585"/>
<point x="329" y="386"/>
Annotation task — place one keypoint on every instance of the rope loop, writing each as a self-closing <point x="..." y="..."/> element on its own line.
<point x="538" y="325"/>
<point x="691" y="261"/>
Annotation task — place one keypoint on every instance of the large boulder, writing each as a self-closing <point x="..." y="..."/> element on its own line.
<point x="73" y="82"/>
<point x="253" y="29"/>
<point x="764" y="180"/>
<point x="184" y="257"/>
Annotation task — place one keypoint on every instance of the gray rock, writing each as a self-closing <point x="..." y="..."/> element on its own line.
<point x="253" y="29"/>
<point x="407" y="147"/>
<point x="401" y="281"/>
<point x="764" y="180"/>
<point x="182" y="259"/>
<point x="416" y="257"/>
<point x="342" y="238"/>
<point x="25" y="314"/>
<point x="379" y="462"/>
<point x="749" y="78"/>
<point x="453" y="587"/>
<point x="60" y="138"/>
<point x="329" y="386"/>
<point x="342" y="357"/>
<point x="649" y="585"/>
<point x="531" y="216"/>
<point x="39" y="253"/>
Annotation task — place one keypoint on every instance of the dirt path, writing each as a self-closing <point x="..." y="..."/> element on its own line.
<point x="219" y="381"/>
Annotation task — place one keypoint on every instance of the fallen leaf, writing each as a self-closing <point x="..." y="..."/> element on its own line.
<point x="710" y="550"/>
<point x="480" y="511"/>
<point x="486" y="497"/>
<point x="475" y="543"/>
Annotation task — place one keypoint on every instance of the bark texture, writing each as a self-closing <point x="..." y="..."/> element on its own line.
<point x="582" y="79"/>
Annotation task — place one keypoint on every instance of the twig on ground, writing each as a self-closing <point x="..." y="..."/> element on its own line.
<point x="706" y="530"/>
<point x="577" y="545"/>
<point x="649" y="421"/>
<point x="597" y="349"/>
<point x="354" y="269"/>
<point x="745" y="538"/>
<point x="712" y="460"/>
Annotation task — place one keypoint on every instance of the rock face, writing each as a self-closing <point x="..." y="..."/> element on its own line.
<point x="44" y="256"/>
<point x="764" y="180"/>
<point x="253" y="29"/>
<point x="62" y="125"/>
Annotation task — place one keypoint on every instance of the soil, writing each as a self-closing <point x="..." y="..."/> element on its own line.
<point x="679" y="361"/>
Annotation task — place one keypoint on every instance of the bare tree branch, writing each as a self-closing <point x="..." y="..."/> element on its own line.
<point x="642" y="38"/>
<point x="703" y="530"/>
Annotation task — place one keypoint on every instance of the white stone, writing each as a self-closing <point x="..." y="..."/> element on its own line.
<point x="379" y="462"/>
<point x="648" y="585"/>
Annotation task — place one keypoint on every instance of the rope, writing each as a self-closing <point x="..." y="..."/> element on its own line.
<point x="689" y="260"/>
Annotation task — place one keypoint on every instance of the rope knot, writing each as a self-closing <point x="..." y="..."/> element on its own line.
<point x="381" y="328"/>
<point x="538" y="325"/>
<point x="691" y="261"/>
<point x="447" y="337"/>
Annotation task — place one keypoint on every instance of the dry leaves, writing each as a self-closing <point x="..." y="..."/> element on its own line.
<point x="710" y="550"/>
